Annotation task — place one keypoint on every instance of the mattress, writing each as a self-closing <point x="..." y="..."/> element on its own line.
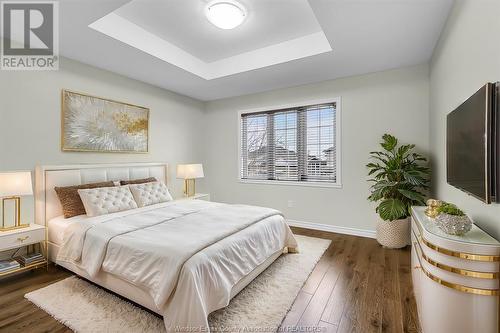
<point x="58" y="225"/>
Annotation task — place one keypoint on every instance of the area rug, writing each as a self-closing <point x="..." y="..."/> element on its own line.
<point x="260" y="307"/>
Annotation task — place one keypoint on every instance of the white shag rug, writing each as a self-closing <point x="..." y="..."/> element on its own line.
<point x="260" y="307"/>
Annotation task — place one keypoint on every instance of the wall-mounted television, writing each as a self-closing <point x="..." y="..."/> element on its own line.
<point x="472" y="144"/>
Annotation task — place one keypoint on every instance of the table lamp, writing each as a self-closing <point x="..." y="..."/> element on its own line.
<point x="13" y="185"/>
<point x="189" y="172"/>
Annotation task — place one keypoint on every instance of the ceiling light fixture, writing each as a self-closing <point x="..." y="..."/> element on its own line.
<point x="225" y="14"/>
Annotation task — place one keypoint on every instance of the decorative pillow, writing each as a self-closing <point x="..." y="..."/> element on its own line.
<point x="70" y="200"/>
<point x="150" y="193"/>
<point x="106" y="200"/>
<point x="138" y="181"/>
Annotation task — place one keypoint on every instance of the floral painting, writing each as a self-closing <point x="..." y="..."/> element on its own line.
<point x="100" y="125"/>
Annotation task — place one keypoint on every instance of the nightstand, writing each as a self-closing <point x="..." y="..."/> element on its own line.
<point x="28" y="237"/>
<point x="199" y="196"/>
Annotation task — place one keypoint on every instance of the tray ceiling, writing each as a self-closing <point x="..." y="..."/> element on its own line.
<point x="178" y="32"/>
<point x="184" y="24"/>
<point x="171" y="44"/>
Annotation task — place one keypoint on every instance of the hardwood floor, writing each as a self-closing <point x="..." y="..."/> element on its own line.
<point x="357" y="286"/>
<point x="17" y="313"/>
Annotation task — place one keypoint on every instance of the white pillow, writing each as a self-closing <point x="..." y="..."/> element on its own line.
<point x="106" y="200"/>
<point x="150" y="193"/>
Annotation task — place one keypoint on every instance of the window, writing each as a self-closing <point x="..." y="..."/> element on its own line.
<point x="297" y="144"/>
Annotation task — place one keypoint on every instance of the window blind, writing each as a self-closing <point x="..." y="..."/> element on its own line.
<point x="296" y="144"/>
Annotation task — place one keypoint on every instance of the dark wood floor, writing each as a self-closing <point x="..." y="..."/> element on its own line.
<point x="357" y="286"/>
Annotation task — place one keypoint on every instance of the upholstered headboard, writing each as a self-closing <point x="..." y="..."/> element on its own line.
<point x="47" y="205"/>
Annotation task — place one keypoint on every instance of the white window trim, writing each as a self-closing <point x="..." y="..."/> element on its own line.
<point x="338" y="138"/>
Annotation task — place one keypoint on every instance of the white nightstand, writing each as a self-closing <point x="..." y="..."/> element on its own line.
<point x="199" y="196"/>
<point x="29" y="237"/>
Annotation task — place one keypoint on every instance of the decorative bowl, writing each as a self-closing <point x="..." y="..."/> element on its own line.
<point x="453" y="224"/>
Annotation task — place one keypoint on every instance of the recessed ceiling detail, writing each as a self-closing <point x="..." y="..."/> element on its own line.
<point x="178" y="33"/>
<point x="367" y="36"/>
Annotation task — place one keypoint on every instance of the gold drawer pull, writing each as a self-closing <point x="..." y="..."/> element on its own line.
<point x="22" y="239"/>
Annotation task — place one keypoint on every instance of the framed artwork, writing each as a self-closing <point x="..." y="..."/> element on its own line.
<point x="94" y="124"/>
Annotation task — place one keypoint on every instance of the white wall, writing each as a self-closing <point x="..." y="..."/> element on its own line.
<point x="394" y="101"/>
<point x="30" y="125"/>
<point x="467" y="56"/>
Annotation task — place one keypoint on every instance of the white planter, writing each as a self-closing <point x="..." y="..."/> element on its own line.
<point x="393" y="234"/>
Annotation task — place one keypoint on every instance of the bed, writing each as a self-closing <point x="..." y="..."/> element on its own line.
<point x="181" y="259"/>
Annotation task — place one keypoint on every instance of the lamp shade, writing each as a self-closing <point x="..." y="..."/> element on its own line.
<point x="190" y="171"/>
<point x="15" y="184"/>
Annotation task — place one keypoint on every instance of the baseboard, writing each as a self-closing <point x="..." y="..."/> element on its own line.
<point x="333" y="228"/>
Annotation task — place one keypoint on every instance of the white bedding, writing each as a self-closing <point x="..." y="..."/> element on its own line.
<point x="186" y="254"/>
<point x="57" y="226"/>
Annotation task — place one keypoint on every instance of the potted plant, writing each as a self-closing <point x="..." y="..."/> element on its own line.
<point x="399" y="175"/>
<point x="452" y="220"/>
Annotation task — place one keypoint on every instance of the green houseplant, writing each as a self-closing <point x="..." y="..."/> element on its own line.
<point x="399" y="176"/>
<point x="450" y="209"/>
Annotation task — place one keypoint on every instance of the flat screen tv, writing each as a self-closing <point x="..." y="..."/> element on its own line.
<point x="472" y="143"/>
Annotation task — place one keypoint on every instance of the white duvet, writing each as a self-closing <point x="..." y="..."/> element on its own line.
<point x="186" y="254"/>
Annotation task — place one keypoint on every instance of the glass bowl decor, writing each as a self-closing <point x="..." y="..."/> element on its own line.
<point x="452" y="220"/>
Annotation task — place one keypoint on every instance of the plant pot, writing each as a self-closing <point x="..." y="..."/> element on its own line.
<point x="453" y="224"/>
<point x="393" y="234"/>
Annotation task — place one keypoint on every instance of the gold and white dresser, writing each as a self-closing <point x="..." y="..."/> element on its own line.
<point x="455" y="278"/>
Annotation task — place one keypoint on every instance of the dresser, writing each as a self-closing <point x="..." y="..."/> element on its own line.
<point x="455" y="278"/>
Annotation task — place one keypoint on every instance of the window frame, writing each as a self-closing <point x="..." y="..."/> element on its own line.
<point x="338" y="136"/>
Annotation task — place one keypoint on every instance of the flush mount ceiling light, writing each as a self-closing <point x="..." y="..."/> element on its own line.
<point x="225" y="14"/>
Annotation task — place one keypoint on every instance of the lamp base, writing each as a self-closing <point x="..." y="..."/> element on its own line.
<point x="17" y="223"/>
<point x="189" y="187"/>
